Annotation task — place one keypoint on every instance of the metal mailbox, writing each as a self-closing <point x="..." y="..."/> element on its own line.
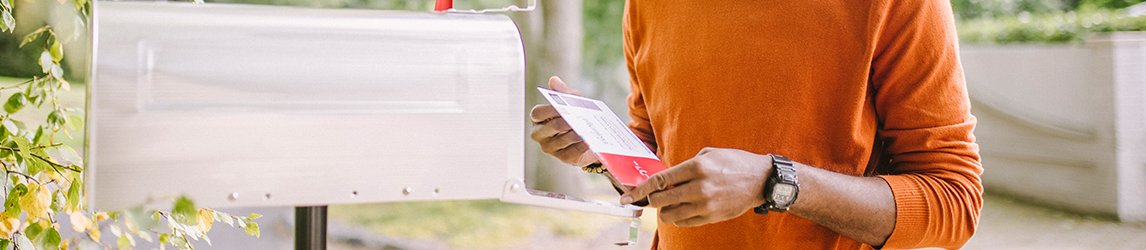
<point x="242" y="105"/>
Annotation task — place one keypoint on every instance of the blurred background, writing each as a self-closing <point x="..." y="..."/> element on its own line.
<point x="1059" y="87"/>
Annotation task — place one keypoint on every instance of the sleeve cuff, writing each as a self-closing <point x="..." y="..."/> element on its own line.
<point x="911" y="212"/>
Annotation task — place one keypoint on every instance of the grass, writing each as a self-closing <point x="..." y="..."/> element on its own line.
<point x="477" y="224"/>
<point x="486" y="224"/>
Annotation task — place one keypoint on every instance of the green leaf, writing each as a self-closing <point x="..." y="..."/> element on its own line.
<point x="7" y="23"/>
<point x="123" y="242"/>
<point x="57" y="51"/>
<point x="19" y="124"/>
<point x="39" y="139"/>
<point x="56" y="70"/>
<point x="56" y="119"/>
<point x="75" y="122"/>
<point x="25" y="148"/>
<point x="46" y="61"/>
<point x="58" y="201"/>
<point x="180" y="242"/>
<point x="12" y="204"/>
<point x="164" y="238"/>
<point x="22" y="242"/>
<point x="79" y="5"/>
<point x="33" y="230"/>
<point x="141" y="220"/>
<point x="73" y="195"/>
<point x="10" y="127"/>
<point x="15" y="103"/>
<point x="35" y="166"/>
<point x="50" y="239"/>
<point x="4" y="242"/>
<point x="184" y="211"/>
<point x="32" y="36"/>
<point x="225" y="218"/>
<point x="70" y="155"/>
<point x="253" y="216"/>
<point x="253" y="229"/>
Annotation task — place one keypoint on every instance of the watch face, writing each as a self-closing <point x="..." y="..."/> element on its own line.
<point x="783" y="193"/>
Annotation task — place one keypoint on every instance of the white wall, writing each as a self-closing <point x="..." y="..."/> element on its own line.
<point x="1064" y="125"/>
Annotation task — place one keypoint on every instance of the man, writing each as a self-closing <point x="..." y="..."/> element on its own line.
<point x="865" y="97"/>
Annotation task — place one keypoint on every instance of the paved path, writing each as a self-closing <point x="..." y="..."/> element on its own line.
<point x="1010" y="224"/>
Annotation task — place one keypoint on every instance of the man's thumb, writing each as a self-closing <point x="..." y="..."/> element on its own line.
<point x="556" y="84"/>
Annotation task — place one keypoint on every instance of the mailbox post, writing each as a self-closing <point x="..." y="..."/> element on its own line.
<point x="244" y="105"/>
<point x="310" y="227"/>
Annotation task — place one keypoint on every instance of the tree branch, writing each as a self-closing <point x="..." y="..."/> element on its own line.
<point x="54" y="164"/>
<point x="45" y="159"/>
<point x="18" y="84"/>
<point x="26" y="176"/>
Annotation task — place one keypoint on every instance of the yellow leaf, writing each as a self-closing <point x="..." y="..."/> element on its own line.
<point x="8" y="224"/>
<point x="36" y="201"/>
<point x="64" y="244"/>
<point x="52" y="176"/>
<point x="101" y="216"/>
<point x="80" y="222"/>
<point x="93" y="233"/>
<point x="206" y="218"/>
<point x="130" y="224"/>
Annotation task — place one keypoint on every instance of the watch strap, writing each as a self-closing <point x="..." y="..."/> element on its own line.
<point x="783" y="171"/>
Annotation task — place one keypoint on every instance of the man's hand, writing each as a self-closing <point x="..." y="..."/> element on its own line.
<point x="555" y="135"/>
<point x="716" y="185"/>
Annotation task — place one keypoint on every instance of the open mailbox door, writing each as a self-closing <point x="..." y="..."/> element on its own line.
<point x="242" y="105"/>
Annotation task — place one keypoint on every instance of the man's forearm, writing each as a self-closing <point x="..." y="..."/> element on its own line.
<point x="860" y="208"/>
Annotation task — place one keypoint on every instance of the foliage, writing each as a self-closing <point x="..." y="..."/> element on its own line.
<point x="1041" y="21"/>
<point x="1108" y="4"/>
<point x="988" y="9"/>
<point x="602" y="46"/>
<point x="43" y="179"/>
<point x="1069" y="27"/>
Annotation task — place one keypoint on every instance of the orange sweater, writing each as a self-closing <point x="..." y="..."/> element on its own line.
<point x="824" y="83"/>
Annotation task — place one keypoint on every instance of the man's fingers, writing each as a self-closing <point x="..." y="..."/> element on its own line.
<point x="572" y="153"/>
<point x="558" y="85"/>
<point x="677" y="213"/>
<point x="542" y="113"/>
<point x="683" y="193"/>
<point x="659" y="181"/>
<point x="551" y="128"/>
<point x="695" y="221"/>
<point x="553" y="144"/>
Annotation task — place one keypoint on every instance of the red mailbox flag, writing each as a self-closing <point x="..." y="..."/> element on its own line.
<point x="443" y="5"/>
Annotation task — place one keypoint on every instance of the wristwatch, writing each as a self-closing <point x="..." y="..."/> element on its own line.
<point x="781" y="188"/>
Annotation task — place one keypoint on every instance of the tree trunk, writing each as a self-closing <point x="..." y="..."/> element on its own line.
<point x="553" y="37"/>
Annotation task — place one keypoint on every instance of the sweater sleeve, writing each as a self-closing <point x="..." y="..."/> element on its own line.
<point x="640" y="124"/>
<point x="926" y="126"/>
